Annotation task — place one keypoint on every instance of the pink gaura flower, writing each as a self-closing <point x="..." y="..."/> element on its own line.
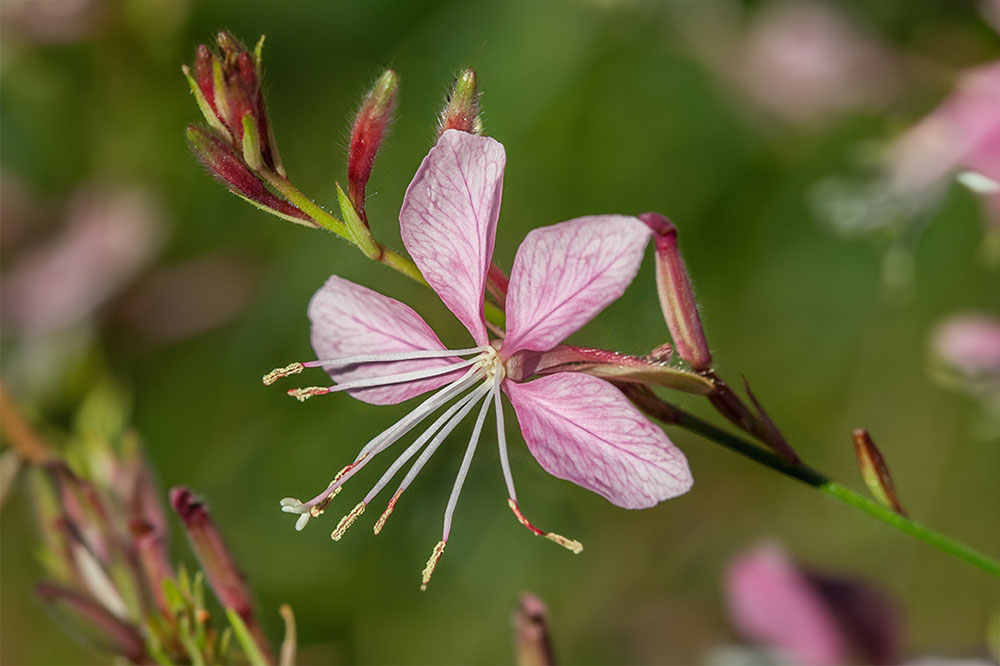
<point x="579" y="428"/>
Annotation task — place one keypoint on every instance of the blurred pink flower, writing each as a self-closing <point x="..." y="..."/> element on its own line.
<point x="968" y="348"/>
<point x="961" y="136"/>
<point x="107" y="239"/>
<point x="185" y="299"/>
<point x="801" y="62"/>
<point x="578" y="427"/>
<point x="806" y="617"/>
<point x="56" y="21"/>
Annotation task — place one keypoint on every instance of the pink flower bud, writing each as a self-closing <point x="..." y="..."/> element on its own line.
<point x="676" y="295"/>
<point x="461" y="111"/>
<point x="370" y="127"/>
<point x="227" y="87"/>
<point x="223" y="163"/>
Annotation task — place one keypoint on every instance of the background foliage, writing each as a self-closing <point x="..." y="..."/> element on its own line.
<point x="603" y="107"/>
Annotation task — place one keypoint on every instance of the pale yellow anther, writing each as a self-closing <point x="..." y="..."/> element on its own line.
<point x="347" y="521"/>
<point x="568" y="544"/>
<point x="380" y="523"/>
<point x="303" y="394"/>
<point x="279" y="373"/>
<point x="431" y="563"/>
<point x="318" y="510"/>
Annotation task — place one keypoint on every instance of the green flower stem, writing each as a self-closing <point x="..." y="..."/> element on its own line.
<point x="404" y="265"/>
<point x="326" y="220"/>
<point x="383" y="255"/>
<point x="811" y="477"/>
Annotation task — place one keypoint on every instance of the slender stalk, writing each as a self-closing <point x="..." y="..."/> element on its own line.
<point x="383" y="255"/>
<point x="327" y="220"/>
<point x="824" y="484"/>
<point x="18" y="432"/>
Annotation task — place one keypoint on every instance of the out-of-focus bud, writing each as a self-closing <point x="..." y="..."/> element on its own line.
<point x="461" y="111"/>
<point x="532" y="644"/>
<point x="119" y="637"/>
<point x="875" y="472"/>
<point x="226" y="85"/>
<point x="222" y="162"/>
<point x="676" y="295"/>
<point x="217" y="562"/>
<point x="370" y="127"/>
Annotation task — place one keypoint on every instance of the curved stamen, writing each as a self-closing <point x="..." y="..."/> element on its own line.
<point x="472" y="376"/>
<point x="399" y="356"/>
<point x="349" y="519"/>
<point x="569" y="544"/>
<point x="416" y="446"/>
<point x="502" y="444"/>
<point x="463" y="471"/>
<point x="296" y="368"/>
<point x="469" y="402"/>
<point x="302" y="394"/>
<point x="397" y="430"/>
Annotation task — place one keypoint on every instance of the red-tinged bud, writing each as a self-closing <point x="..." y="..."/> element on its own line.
<point x="151" y="549"/>
<point x="223" y="163"/>
<point x="532" y="644"/>
<point x="875" y="472"/>
<point x="118" y="636"/>
<point x="676" y="295"/>
<point x="370" y="127"/>
<point x="218" y="564"/>
<point x="216" y="561"/>
<point x="461" y="110"/>
<point x="82" y="509"/>
<point x="227" y="87"/>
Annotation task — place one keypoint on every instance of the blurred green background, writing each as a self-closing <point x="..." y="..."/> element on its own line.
<point x="603" y="106"/>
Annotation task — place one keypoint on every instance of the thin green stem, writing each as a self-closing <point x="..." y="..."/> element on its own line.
<point x="379" y="252"/>
<point x="813" y="478"/>
<point x="325" y="219"/>
<point x="404" y="265"/>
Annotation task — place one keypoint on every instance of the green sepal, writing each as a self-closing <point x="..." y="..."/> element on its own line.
<point x="359" y="231"/>
<point x="206" y="108"/>
<point x="219" y="87"/>
<point x="251" y="143"/>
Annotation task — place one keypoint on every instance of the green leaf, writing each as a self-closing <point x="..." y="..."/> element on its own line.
<point x="246" y="641"/>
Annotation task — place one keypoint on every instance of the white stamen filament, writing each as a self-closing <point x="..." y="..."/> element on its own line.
<point x="413" y="448"/>
<point x="502" y="444"/>
<point x="399" y="356"/>
<point x="475" y="396"/>
<point x="399" y="378"/>
<point x="470" y="452"/>
<point x="430" y="405"/>
<point x="398" y="429"/>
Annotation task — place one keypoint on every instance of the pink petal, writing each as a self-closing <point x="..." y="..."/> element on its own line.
<point x="582" y="429"/>
<point x="449" y="221"/>
<point x="773" y="603"/>
<point x="348" y="319"/>
<point x="565" y="274"/>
